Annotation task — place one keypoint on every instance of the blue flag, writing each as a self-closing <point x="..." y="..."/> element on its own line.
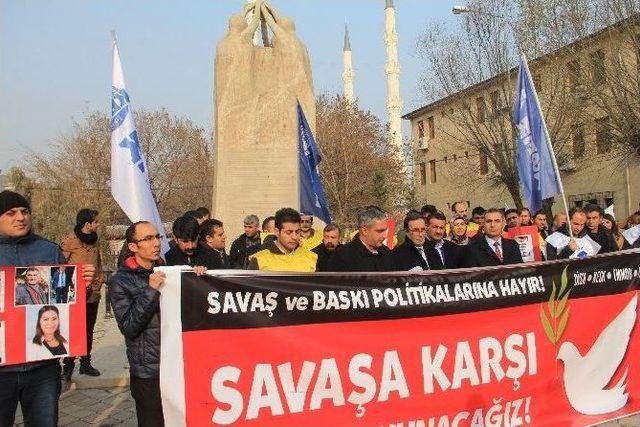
<point x="536" y="161"/>
<point x="129" y="174"/>
<point x="312" y="200"/>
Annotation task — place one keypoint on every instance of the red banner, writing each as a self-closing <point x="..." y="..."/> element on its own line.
<point x="489" y="347"/>
<point x="42" y="313"/>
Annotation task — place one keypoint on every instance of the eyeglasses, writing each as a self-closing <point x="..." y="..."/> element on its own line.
<point x="149" y="238"/>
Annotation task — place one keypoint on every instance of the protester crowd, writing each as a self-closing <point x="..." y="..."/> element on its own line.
<point x="286" y="241"/>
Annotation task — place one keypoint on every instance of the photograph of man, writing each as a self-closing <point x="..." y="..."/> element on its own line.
<point x="31" y="288"/>
<point x="45" y="339"/>
<point x="61" y="282"/>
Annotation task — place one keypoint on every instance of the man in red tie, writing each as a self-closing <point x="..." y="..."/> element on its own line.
<point x="492" y="249"/>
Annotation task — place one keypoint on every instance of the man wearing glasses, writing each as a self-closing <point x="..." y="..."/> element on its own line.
<point x="412" y="253"/>
<point x="134" y="294"/>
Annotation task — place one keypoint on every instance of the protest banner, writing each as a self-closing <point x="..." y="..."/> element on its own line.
<point x="528" y="239"/>
<point x="42" y="313"/>
<point x="553" y="343"/>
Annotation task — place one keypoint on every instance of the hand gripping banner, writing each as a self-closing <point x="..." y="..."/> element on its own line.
<point x="552" y="343"/>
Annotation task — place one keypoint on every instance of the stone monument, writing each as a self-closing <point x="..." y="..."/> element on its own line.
<point x="256" y="126"/>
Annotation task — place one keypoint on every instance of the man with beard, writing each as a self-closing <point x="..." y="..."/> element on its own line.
<point x="309" y="237"/>
<point x="81" y="247"/>
<point x="512" y="218"/>
<point x="330" y="242"/>
<point x="248" y="241"/>
<point x="185" y="235"/>
<point x="577" y="222"/>
<point x="525" y="217"/>
<point x="30" y="292"/>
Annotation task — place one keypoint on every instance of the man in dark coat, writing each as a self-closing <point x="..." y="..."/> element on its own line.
<point x="442" y="254"/>
<point x="577" y="222"/>
<point x="598" y="232"/>
<point x="135" y="299"/>
<point x="366" y="251"/>
<point x="492" y="249"/>
<point x="248" y="243"/>
<point x="186" y="250"/>
<point x="412" y="254"/>
<point x="326" y="249"/>
<point x="212" y="244"/>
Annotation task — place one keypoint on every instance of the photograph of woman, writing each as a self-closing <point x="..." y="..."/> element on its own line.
<point x="48" y="341"/>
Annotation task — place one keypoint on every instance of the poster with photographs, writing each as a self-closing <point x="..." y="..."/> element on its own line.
<point x="528" y="239"/>
<point x="43" y="313"/>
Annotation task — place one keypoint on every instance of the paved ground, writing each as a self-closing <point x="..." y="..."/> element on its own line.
<point x="106" y="401"/>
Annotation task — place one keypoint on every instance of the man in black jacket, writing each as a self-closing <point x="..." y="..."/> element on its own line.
<point x="212" y="241"/>
<point x="135" y="297"/>
<point x="326" y="249"/>
<point x="577" y="222"/>
<point x="365" y="252"/>
<point x="186" y="250"/>
<point x="442" y="254"/>
<point x="492" y="249"/>
<point x="248" y="243"/>
<point x="411" y="254"/>
<point x="598" y="232"/>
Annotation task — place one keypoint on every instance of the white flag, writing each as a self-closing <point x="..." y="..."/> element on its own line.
<point x="129" y="174"/>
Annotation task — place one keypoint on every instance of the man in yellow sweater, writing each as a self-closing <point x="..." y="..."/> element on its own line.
<point x="285" y="253"/>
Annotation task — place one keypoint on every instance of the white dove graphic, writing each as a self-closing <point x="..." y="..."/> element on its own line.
<point x="585" y="378"/>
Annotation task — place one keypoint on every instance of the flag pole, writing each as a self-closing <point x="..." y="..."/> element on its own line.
<point x="546" y="133"/>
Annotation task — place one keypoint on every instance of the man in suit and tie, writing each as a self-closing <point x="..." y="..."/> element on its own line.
<point x="411" y="254"/>
<point x="441" y="254"/>
<point x="492" y="249"/>
<point x="61" y="281"/>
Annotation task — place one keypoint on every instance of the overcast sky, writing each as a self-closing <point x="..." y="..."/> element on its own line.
<point x="55" y="57"/>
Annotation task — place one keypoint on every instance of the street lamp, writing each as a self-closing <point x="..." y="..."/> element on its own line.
<point x="457" y="10"/>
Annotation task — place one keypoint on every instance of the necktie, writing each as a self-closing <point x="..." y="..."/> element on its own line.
<point x="498" y="251"/>
<point x="423" y="255"/>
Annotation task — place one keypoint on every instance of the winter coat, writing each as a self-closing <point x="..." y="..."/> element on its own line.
<point x="28" y="251"/>
<point x="136" y="307"/>
<point x="77" y="252"/>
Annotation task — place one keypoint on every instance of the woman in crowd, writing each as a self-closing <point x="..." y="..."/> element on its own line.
<point x="458" y="234"/>
<point x="610" y="223"/>
<point x="48" y="341"/>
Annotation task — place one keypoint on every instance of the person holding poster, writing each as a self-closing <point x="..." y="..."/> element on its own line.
<point x="135" y="298"/>
<point x="36" y="385"/>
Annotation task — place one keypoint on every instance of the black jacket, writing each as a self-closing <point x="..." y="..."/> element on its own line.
<point x="605" y="239"/>
<point x="324" y="256"/>
<point x="354" y="256"/>
<point x="136" y="307"/>
<point x="174" y="256"/>
<point x="452" y="255"/>
<point x="479" y="254"/>
<point x="406" y="257"/>
<point x="214" y="260"/>
<point x="241" y="249"/>
<point x="552" y="251"/>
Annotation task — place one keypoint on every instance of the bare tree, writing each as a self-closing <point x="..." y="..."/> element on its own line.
<point x="77" y="174"/>
<point x="487" y="48"/>
<point x="360" y="165"/>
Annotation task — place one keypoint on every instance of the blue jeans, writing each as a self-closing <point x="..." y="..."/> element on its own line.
<point x="37" y="390"/>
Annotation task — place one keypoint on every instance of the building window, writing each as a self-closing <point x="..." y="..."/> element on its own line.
<point x="603" y="135"/>
<point x="423" y="173"/>
<point x="481" y="113"/>
<point x="484" y="163"/>
<point x="537" y="82"/>
<point x="578" y="141"/>
<point x="420" y="129"/>
<point x="455" y="157"/>
<point x="445" y="159"/>
<point x="432" y="171"/>
<point x="574" y="74"/>
<point x="495" y="102"/>
<point x="431" y="127"/>
<point x="598" y="67"/>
